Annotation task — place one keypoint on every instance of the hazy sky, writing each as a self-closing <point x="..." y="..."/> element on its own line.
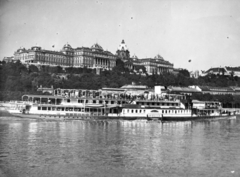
<point x="205" y="31"/>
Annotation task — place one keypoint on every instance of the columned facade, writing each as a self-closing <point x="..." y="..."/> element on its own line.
<point x="91" y="57"/>
<point x="156" y="65"/>
<point x="94" y="57"/>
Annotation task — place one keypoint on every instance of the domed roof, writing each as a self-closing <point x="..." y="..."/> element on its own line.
<point x="67" y="46"/>
<point x="97" y="47"/>
<point x="35" y="48"/>
<point x="159" y="57"/>
<point x="134" y="57"/>
<point x="109" y="53"/>
<point x="122" y="46"/>
<point x="21" y="49"/>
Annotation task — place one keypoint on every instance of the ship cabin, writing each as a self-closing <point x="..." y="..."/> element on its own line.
<point x="203" y="108"/>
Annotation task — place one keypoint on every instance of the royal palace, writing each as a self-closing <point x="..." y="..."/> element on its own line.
<point x="94" y="57"/>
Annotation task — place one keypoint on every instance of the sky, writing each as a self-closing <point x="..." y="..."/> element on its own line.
<point x="207" y="32"/>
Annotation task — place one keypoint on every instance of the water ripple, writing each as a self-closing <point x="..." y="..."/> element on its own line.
<point x="119" y="148"/>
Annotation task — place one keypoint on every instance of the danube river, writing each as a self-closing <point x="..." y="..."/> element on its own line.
<point x="118" y="148"/>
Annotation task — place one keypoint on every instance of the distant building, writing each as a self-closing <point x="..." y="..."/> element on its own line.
<point x="217" y="90"/>
<point x="94" y="57"/>
<point x="215" y="71"/>
<point x="8" y="59"/>
<point x="226" y="71"/>
<point x="156" y="65"/>
<point x="183" y="90"/>
<point x="194" y="74"/>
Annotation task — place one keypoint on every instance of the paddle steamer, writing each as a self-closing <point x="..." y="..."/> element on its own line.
<point x="128" y="107"/>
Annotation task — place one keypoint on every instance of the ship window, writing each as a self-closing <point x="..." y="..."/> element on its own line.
<point x="158" y="104"/>
<point x="136" y="111"/>
<point x="100" y="101"/>
<point x="153" y="103"/>
<point x="175" y="111"/>
<point x="106" y="102"/>
<point x="140" y="111"/>
<point x="112" y="102"/>
<point x="144" y="110"/>
<point x="86" y="101"/>
<point x="132" y="110"/>
<point x="76" y="109"/>
<point x="53" y="108"/>
<point x="127" y="110"/>
<point x="147" y="103"/>
<point x="49" y="108"/>
<point x="94" y="101"/>
<point x="68" y="100"/>
<point x="39" y="108"/>
<point x="119" y="102"/>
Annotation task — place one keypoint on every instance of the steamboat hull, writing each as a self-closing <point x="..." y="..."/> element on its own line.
<point x="82" y="117"/>
<point x="97" y="117"/>
<point x="197" y="118"/>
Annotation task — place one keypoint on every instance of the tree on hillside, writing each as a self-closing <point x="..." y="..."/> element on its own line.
<point x="33" y="68"/>
<point x="184" y="72"/>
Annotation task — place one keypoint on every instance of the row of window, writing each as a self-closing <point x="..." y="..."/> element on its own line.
<point x="167" y="111"/>
<point x="100" y="101"/>
<point x="69" y="109"/>
<point x="157" y="104"/>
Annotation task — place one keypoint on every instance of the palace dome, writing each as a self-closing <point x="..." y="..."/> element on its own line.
<point x="67" y="46"/>
<point x="97" y="47"/>
<point x="134" y="57"/>
<point x="158" y="57"/>
<point x="35" y="48"/>
<point x="21" y="49"/>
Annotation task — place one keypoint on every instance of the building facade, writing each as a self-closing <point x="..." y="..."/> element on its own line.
<point x="224" y="71"/>
<point x="156" y="65"/>
<point x="8" y="59"/>
<point x="91" y="57"/>
<point x="94" y="57"/>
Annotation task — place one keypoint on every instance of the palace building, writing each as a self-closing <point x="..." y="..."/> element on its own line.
<point x="94" y="57"/>
<point x="90" y="57"/>
<point x="154" y="65"/>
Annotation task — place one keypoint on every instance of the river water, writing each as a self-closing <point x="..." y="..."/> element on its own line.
<point x="118" y="148"/>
